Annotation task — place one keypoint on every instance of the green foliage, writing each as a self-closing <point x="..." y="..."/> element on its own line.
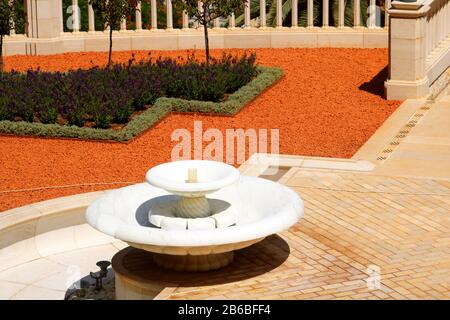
<point x="302" y="12"/>
<point x="210" y="9"/>
<point x="103" y="95"/>
<point x="9" y="15"/>
<point x="49" y="112"/>
<point x="113" y="11"/>
<point x="162" y="107"/>
<point x="5" y="109"/>
<point x="76" y="117"/>
<point x="84" y="20"/>
<point x="207" y="12"/>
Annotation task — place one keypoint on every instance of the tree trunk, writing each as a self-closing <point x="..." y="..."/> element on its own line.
<point x="205" y="26"/>
<point x="1" y="54"/>
<point x="110" y="46"/>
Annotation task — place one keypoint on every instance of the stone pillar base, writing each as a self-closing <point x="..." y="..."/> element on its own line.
<point x="402" y="90"/>
<point x="194" y="263"/>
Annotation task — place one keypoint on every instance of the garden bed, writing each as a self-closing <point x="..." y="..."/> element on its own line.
<point x="143" y="120"/>
<point x="328" y="103"/>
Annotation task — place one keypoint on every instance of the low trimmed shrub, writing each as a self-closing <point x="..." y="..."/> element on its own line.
<point x="111" y="95"/>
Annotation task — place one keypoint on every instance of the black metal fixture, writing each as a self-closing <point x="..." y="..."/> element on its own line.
<point x="103" y="273"/>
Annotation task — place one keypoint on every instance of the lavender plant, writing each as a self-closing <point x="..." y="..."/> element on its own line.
<point x="111" y="95"/>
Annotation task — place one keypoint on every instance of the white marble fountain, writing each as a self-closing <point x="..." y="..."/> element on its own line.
<point x="193" y="214"/>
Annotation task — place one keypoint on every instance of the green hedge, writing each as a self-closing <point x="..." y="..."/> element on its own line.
<point x="161" y="108"/>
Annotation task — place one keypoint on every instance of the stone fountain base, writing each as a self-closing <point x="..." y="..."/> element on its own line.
<point x="194" y="263"/>
<point x="143" y="275"/>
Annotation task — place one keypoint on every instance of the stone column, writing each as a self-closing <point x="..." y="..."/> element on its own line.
<point x="407" y="57"/>
<point x="44" y="18"/>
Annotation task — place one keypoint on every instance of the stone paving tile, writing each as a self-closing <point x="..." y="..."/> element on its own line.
<point x="354" y="223"/>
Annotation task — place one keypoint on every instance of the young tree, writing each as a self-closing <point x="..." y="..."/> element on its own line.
<point x="113" y="12"/>
<point x="206" y="11"/>
<point x="8" y="14"/>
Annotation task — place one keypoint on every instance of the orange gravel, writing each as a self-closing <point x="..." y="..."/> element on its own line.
<point x="328" y="104"/>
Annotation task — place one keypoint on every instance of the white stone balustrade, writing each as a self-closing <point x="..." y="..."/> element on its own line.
<point x="419" y="51"/>
<point x="44" y="32"/>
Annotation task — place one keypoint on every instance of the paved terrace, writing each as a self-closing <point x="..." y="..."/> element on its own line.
<point x="394" y="216"/>
<point x="391" y="213"/>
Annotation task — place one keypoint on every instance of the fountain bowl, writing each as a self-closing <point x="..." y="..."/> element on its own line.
<point x="245" y="210"/>
<point x="211" y="176"/>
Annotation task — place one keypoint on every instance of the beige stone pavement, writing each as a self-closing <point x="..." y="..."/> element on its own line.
<point x="375" y="227"/>
<point x="391" y="220"/>
<point x="394" y="219"/>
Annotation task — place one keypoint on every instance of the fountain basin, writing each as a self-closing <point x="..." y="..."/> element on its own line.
<point x="262" y="208"/>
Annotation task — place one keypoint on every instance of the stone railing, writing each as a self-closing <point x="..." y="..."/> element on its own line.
<point x="45" y="30"/>
<point x="419" y="50"/>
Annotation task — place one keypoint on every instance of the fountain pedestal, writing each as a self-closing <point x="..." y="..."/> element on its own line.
<point x="194" y="263"/>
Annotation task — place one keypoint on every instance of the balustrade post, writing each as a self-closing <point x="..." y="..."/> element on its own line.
<point x="169" y="13"/>
<point x="12" y="31"/>
<point x="139" y="16"/>
<point x="216" y="23"/>
<point x="294" y="16"/>
<point x="341" y="21"/>
<point x="325" y="13"/>
<point x="123" y="25"/>
<point x="247" y="18"/>
<point x="310" y="13"/>
<point x="91" y="19"/>
<point x="232" y="21"/>
<point x="154" y="15"/>
<point x="372" y="14"/>
<point x="75" y="16"/>
<point x="387" y="5"/>
<point x="407" y="51"/>
<point x="279" y="15"/>
<point x="262" y="14"/>
<point x="356" y="13"/>
<point x="200" y="9"/>
<point x="185" y="18"/>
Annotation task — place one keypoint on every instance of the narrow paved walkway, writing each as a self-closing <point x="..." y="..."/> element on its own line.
<point x="415" y="141"/>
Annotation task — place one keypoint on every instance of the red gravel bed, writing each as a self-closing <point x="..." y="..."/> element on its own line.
<point x="328" y="104"/>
